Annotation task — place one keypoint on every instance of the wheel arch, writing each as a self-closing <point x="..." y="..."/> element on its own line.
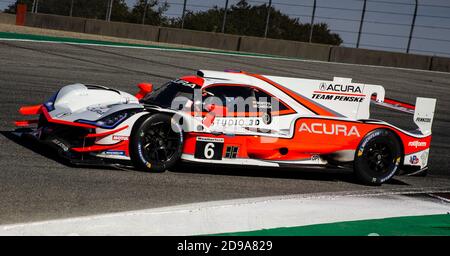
<point x="138" y="159"/>
<point x="394" y="131"/>
<point x="396" y="135"/>
<point x="369" y="167"/>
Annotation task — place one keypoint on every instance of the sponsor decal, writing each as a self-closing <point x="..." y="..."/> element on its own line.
<point x="141" y="154"/>
<point x="332" y="91"/>
<point x="413" y="159"/>
<point x="231" y="152"/>
<point x="315" y="158"/>
<point x="330" y="129"/>
<point x="340" y="88"/>
<point x="209" y="148"/>
<point x="61" y="145"/>
<point x="209" y="139"/>
<point x="397" y="162"/>
<point x="98" y="109"/>
<point x="114" y="152"/>
<point x="262" y="105"/>
<point x="424" y="157"/>
<point x="368" y="138"/>
<point x="423" y="119"/>
<point x="120" y="137"/>
<point x="417" y="144"/>
<point x="337" y="97"/>
<point x="246" y="122"/>
<point x="360" y="152"/>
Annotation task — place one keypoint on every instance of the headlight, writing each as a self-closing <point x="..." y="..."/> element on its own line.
<point x="112" y="120"/>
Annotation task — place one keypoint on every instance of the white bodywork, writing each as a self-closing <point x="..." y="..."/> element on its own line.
<point x="349" y="109"/>
<point x="306" y="88"/>
<point x="76" y="101"/>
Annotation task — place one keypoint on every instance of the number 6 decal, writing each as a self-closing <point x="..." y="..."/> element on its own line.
<point x="209" y="148"/>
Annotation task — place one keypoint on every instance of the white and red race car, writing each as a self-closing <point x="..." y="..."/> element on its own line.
<point x="234" y="118"/>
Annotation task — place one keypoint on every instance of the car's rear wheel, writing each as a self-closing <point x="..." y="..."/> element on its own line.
<point x="156" y="143"/>
<point x="377" y="157"/>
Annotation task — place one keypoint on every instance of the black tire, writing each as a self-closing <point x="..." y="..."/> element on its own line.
<point x="378" y="156"/>
<point x="154" y="145"/>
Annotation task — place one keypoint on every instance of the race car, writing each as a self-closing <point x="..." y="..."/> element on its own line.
<point x="234" y="118"/>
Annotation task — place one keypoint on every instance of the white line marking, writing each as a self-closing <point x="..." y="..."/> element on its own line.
<point x="440" y="198"/>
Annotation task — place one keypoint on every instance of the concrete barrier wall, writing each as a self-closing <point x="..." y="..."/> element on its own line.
<point x="379" y="58"/>
<point x="7" y="18"/>
<point x="55" y="22"/>
<point x="199" y="38"/>
<point x="285" y="48"/>
<point x="440" y="64"/>
<point x="119" y="29"/>
<point x="234" y="43"/>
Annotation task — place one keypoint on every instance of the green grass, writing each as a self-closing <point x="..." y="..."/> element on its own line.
<point x="42" y="38"/>
<point x="429" y="225"/>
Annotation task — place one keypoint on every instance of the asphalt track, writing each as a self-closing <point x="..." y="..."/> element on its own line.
<point x="35" y="186"/>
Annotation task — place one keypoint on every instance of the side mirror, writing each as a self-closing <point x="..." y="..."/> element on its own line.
<point x="144" y="89"/>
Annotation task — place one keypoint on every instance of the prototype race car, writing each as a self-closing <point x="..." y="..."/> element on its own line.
<point x="234" y="118"/>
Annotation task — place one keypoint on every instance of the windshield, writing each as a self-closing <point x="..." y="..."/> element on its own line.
<point x="164" y="96"/>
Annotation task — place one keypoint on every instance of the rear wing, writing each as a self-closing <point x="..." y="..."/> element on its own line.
<point x="423" y="111"/>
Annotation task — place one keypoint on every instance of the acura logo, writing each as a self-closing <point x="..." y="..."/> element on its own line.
<point x="323" y="86"/>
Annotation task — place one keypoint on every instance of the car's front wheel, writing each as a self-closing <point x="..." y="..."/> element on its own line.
<point x="156" y="143"/>
<point x="377" y="157"/>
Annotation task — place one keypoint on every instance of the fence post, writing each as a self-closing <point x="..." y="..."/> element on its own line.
<point x="145" y="11"/>
<point x="71" y="8"/>
<point x="182" y="15"/>
<point x="361" y="23"/>
<point x="267" y="19"/>
<point x="412" y="27"/>
<point x="34" y="8"/>
<point x="109" y="10"/>
<point x="312" y="22"/>
<point x="225" y="16"/>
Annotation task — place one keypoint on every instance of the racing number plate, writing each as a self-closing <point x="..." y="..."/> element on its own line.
<point x="209" y="148"/>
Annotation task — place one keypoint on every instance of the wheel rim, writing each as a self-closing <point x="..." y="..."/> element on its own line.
<point x="379" y="157"/>
<point x="159" y="142"/>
